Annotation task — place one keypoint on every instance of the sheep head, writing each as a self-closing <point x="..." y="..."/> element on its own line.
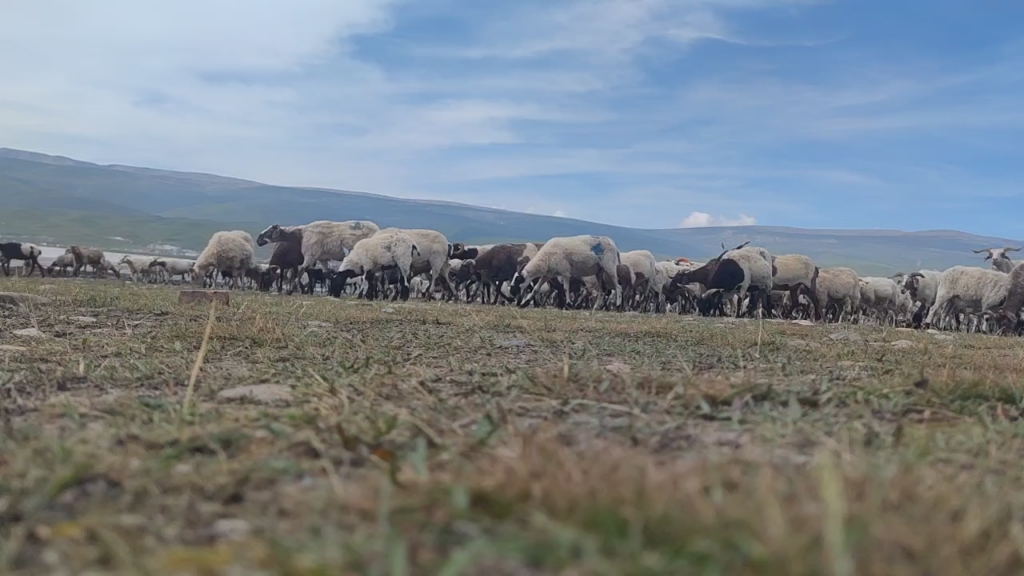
<point x="996" y="253"/>
<point x="271" y="234"/>
<point x="913" y="282"/>
<point x="461" y="252"/>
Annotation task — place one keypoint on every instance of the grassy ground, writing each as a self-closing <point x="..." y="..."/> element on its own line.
<point x="441" y="439"/>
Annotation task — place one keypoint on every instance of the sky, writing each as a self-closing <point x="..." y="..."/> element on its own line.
<point x="641" y="113"/>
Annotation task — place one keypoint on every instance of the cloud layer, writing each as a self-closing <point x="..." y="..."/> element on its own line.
<point x="703" y="219"/>
<point x="621" y="111"/>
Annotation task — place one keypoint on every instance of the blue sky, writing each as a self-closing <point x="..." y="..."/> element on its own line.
<point x="645" y="113"/>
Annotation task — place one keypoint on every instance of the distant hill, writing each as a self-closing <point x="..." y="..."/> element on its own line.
<point x="62" y="200"/>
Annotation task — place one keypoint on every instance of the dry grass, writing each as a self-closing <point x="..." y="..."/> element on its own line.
<point x="441" y="439"/>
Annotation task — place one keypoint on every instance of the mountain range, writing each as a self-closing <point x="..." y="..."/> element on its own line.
<point x="58" y="200"/>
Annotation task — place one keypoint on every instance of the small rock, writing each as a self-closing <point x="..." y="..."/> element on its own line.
<point x="19" y="299"/>
<point x="182" y="469"/>
<point x="231" y="529"/>
<point x="46" y="287"/>
<point x="259" y="393"/>
<point x="846" y="337"/>
<point x="944" y="337"/>
<point x="933" y="331"/>
<point x="803" y="322"/>
<point x="905" y="330"/>
<point x="512" y="344"/>
<point x="9" y="348"/>
<point x="618" y="368"/>
<point x="388" y="310"/>
<point x="29" y="333"/>
<point x="83" y="319"/>
<point x="902" y="344"/>
<point x="317" y="324"/>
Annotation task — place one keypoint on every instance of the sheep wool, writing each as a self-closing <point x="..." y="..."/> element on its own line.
<point x="376" y="253"/>
<point x="227" y="251"/>
<point x="968" y="288"/>
<point x="566" y="258"/>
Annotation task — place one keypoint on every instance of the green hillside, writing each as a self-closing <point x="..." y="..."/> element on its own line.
<point x="66" y="200"/>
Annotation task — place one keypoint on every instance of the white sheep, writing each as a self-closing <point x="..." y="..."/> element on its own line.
<point x="923" y="287"/>
<point x="565" y="258"/>
<point x="968" y="289"/>
<point x="432" y="259"/>
<point x="838" y="286"/>
<point x="227" y="251"/>
<point x="63" y="262"/>
<point x="643" y="266"/>
<point x="379" y="252"/>
<point x="796" y="274"/>
<point x="1000" y="260"/>
<point x="321" y="241"/>
<point x="139" y="266"/>
<point x="745" y="268"/>
<point x="664" y="272"/>
<point x="172" y="267"/>
<point x="880" y="296"/>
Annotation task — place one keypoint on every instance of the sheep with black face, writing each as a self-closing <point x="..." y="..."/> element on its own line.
<point x="737" y="272"/>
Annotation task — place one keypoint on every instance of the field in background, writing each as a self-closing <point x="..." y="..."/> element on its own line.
<point x="417" y="438"/>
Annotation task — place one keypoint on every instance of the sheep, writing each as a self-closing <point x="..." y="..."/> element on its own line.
<point x="227" y="251"/>
<point x="565" y="258"/>
<point x="175" y="267"/>
<point x="642" y="265"/>
<point x="838" y="286"/>
<point x="494" y="267"/>
<point x="64" y="261"/>
<point x="85" y="257"/>
<point x="963" y="288"/>
<point x="316" y="277"/>
<point x="378" y="253"/>
<point x="796" y="273"/>
<point x="923" y="287"/>
<point x="732" y="273"/>
<point x="286" y="261"/>
<point x="1000" y="261"/>
<point x="432" y="260"/>
<point x="664" y="272"/>
<point x="321" y="241"/>
<point x="22" y="251"/>
<point x="1009" y="312"/>
<point x="458" y="276"/>
<point x="139" y="266"/>
<point x="879" y="295"/>
<point x="107" y="266"/>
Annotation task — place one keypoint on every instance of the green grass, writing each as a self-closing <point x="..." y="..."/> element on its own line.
<point x="428" y="438"/>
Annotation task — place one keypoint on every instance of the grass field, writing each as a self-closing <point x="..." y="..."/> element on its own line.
<point x="425" y="438"/>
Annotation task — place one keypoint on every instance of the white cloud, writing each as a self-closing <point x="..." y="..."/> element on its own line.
<point x="559" y="214"/>
<point x="703" y="219"/>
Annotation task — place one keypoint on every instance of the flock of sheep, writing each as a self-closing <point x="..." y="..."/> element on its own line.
<point x="574" y="272"/>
